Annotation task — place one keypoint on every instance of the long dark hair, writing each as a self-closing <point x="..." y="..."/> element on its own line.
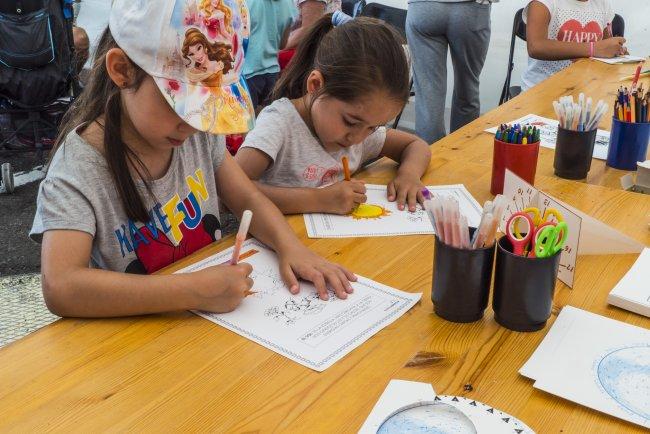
<point x="102" y="97"/>
<point x="355" y="58"/>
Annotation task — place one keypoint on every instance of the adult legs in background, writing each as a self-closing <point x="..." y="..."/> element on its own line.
<point x="468" y="32"/>
<point x="260" y="87"/>
<point x="426" y="24"/>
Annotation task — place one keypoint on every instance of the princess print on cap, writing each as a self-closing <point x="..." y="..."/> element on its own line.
<point x="202" y="69"/>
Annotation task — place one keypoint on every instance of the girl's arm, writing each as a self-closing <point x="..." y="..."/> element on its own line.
<point x="310" y="12"/>
<point x="269" y="226"/>
<point x="542" y="48"/>
<point x="338" y="198"/>
<point x="72" y="289"/>
<point x="414" y="156"/>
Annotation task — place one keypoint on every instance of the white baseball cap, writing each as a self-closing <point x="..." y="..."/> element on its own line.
<point x="194" y="50"/>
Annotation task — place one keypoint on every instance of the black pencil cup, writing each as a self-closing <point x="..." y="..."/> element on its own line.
<point x="573" y="152"/>
<point x="461" y="281"/>
<point x="523" y="289"/>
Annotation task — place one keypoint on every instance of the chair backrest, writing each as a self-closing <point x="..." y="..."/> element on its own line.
<point x="618" y="25"/>
<point x="518" y="31"/>
<point x="519" y="27"/>
<point x="392" y="12"/>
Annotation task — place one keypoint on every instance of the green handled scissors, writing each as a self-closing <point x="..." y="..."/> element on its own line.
<point x="550" y="239"/>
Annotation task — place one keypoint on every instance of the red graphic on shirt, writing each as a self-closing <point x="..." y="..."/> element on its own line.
<point x="158" y="252"/>
<point x="329" y="176"/>
<point x="311" y="172"/>
<point x="326" y="176"/>
<point x="573" y="31"/>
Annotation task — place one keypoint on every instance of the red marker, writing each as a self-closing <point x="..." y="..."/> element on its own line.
<point x="636" y="76"/>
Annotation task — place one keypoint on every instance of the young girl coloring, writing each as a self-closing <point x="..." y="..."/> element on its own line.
<point x="134" y="186"/>
<point x="558" y="31"/>
<point x="343" y="84"/>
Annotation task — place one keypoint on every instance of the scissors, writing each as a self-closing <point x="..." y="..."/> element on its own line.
<point x="549" y="239"/>
<point x="539" y="219"/>
<point x="520" y="242"/>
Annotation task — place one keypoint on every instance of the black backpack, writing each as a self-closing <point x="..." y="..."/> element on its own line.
<point x="36" y="51"/>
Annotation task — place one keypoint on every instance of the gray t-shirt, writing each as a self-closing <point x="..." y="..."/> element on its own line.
<point x="299" y="159"/>
<point x="78" y="193"/>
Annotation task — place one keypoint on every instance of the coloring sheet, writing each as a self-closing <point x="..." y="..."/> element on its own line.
<point x="380" y="218"/>
<point x="626" y="58"/>
<point x="548" y="134"/>
<point x="596" y="362"/>
<point x="413" y="407"/>
<point x="397" y="394"/>
<point x="302" y="327"/>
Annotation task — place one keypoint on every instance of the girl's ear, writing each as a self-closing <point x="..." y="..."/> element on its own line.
<point x="315" y="81"/>
<point x="119" y="68"/>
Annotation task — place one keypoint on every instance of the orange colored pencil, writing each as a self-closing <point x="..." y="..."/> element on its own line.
<point x="346" y="168"/>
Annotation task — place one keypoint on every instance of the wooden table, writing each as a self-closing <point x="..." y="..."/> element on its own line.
<point x="179" y="372"/>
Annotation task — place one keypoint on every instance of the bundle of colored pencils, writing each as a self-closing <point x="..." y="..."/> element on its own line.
<point x="581" y="115"/>
<point x="632" y="106"/>
<point x="519" y="134"/>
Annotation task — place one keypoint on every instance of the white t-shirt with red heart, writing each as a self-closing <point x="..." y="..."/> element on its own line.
<point x="571" y="21"/>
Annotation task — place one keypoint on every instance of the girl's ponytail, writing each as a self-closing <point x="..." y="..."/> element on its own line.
<point x="292" y="81"/>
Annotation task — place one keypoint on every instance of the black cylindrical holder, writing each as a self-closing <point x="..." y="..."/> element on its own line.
<point x="523" y="288"/>
<point x="573" y="152"/>
<point x="461" y="281"/>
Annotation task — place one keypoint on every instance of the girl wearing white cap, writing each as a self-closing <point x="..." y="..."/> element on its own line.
<point x="138" y="171"/>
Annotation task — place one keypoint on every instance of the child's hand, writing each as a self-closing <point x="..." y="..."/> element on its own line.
<point x="300" y="262"/>
<point x="405" y="188"/>
<point x="610" y="47"/>
<point x="342" y="197"/>
<point x="221" y="288"/>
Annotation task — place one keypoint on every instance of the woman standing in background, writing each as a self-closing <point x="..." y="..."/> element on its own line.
<point x="432" y="26"/>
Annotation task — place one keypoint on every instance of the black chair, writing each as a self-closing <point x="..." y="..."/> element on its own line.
<point x="396" y="17"/>
<point x="519" y="31"/>
<point x="38" y="81"/>
<point x="618" y="25"/>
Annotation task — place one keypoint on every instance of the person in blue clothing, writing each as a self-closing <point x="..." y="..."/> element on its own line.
<point x="270" y="21"/>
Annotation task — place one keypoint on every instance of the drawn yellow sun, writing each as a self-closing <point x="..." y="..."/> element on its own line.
<point x="369" y="211"/>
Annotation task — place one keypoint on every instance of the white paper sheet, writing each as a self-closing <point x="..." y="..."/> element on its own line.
<point x="548" y="134"/>
<point x="595" y="237"/>
<point x="633" y="290"/>
<point x="596" y="362"/>
<point x="393" y="222"/>
<point x="627" y="58"/>
<point x="520" y="195"/>
<point x="397" y="394"/>
<point x="302" y="327"/>
<point x="478" y="417"/>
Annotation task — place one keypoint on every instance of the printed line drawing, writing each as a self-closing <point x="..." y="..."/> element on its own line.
<point x="624" y="374"/>
<point x="293" y="310"/>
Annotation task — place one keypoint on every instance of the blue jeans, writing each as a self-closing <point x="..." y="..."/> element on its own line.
<point x="431" y="27"/>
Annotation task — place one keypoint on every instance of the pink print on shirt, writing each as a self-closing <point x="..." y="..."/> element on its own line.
<point x="327" y="176"/>
<point x="573" y="31"/>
